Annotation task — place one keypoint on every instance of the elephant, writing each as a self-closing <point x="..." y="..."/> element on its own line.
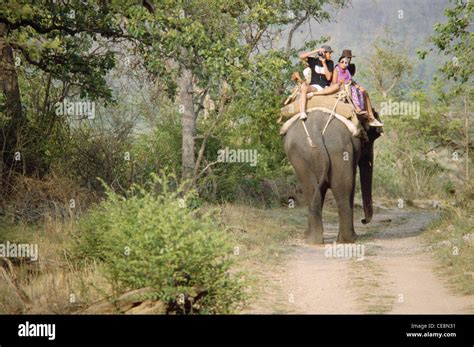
<point x="331" y="164"/>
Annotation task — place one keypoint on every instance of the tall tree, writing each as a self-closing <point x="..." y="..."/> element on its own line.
<point x="455" y="39"/>
<point x="198" y="48"/>
<point x="388" y="68"/>
<point x="64" y="39"/>
<point x="209" y="44"/>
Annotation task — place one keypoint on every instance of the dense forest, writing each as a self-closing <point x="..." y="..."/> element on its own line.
<point x="115" y="116"/>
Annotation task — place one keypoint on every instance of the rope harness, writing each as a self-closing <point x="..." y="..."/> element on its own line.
<point x="342" y="95"/>
<point x="307" y="134"/>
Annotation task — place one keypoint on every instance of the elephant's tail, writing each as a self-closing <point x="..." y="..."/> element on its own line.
<point x="323" y="152"/>
<point x="325" y="173"/>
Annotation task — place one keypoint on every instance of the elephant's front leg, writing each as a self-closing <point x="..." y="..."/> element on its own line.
<point x="315" y="218"/>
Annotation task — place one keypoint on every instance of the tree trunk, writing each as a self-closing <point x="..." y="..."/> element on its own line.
<point x="188" y="121"/>
<point x="295" y="26"/>
<point x="10" y="133"/>
<point x="466" y="128"/>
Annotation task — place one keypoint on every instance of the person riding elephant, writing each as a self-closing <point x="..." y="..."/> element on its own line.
<point x="344" y="73"/>
<point x="321" y="74"/>
<point x="359" y="96"/>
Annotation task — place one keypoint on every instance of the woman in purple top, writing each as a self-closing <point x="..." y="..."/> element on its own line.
<point x="342" y="75"/>
<point x="359" y="96"/>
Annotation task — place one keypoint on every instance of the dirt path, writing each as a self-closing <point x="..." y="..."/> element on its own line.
<point x="395" y="274"/>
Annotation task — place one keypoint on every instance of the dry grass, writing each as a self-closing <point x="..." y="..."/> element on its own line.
<point x="452" y="239"/>
<point x="262" y="237"/>
<point x="52" y="283"/>
<point x="31" y="199"/>
<point x="43" y="212"/>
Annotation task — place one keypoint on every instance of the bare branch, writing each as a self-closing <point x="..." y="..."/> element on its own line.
<point x="292" y="31"/>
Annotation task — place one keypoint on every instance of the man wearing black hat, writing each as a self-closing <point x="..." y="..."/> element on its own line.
<point x="321" y="73"/>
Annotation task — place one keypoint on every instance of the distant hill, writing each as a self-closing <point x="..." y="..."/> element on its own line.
<point x="357" y="26"/>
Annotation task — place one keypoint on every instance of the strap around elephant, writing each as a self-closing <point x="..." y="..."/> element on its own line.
<point x="341" y="95"/>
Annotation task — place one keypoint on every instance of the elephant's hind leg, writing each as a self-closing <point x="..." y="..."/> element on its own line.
<point x="315" y="219"/>
<point x="313" y="195"/>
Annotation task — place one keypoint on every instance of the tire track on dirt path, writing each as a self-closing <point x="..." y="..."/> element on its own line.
<point x="408" y="268"/>
<point x="315" y="283"/>
<point x="395" y="275"/>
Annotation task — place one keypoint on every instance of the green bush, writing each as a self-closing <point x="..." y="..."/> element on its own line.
<point x="92" y="154"/>
<point x="158" y="149"/>
<point x="152" y="238"/>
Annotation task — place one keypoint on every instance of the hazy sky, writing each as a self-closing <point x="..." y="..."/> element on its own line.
<point x="357" y="26"/>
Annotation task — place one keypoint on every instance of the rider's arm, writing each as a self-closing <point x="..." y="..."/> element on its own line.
<point x="334" y="77"/>
<point x="304" y="56"/>
<point x="327" y="73"/>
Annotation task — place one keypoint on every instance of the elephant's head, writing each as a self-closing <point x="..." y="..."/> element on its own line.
<point x="366" y="169"/>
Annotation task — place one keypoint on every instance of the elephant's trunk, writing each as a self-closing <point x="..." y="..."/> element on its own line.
<point x="366" y="170"/>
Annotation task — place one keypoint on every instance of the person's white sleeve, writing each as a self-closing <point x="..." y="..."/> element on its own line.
<point x="307" y="73"/>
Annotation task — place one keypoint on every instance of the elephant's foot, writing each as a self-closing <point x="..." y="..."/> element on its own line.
<point x="314" y="238"/>
<point x="347" y="239"/>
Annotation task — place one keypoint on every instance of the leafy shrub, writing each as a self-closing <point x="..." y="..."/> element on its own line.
<point x="158" y="149"/>
<point x="92" y="154"/>
<point x="152" y="238"/>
